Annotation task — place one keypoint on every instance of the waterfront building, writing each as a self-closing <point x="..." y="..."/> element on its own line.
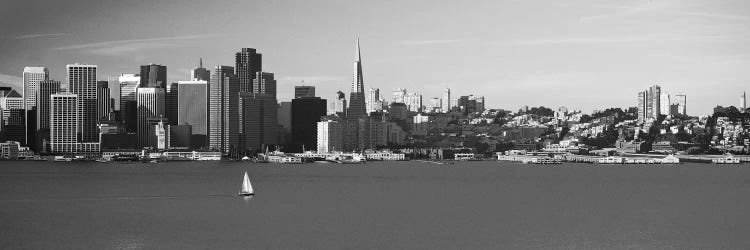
<point x="63" y="123"/>
<point x="82" y="82"/>
<point x="258" y="120"/>
<point x="128" y="104"/>
<point x="223" y="102"/>
<point x="103" y="101"/>
<point x="153" y="75"/>
<point x="247" y="63"/>
<point x="150" y="105"/>
<point x="200" y="73"/>
<point x="329" y="136"/>
<point x="306" y="112"/>
<point x="357" y="106"/>
<point x="446" y="105"/>
<point x="304" y="91"/>
<point x="192" y="110"/>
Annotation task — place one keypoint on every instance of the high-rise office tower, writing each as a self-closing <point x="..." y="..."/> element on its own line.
<point x="480" y="104"/>
<point x="330" y="136"/>
<point x="82" y="82"/>
<point x="435" y="104"/>
<point x="664" y="103"/>
<point x="63" y="123"/>
<point x="103" y="101"/>
<point x="247" y="63"/>
<point x="306" y="113"/>
<point x="373" y="97"/>
<point x="223" y="129"/>
<point x="31" y="78"/>
<point x="398" y="95"/>
<point x="128" y="104"/>
<point x="284" y="118"/>
<point x="357" y="106"/>
<point x="743" y="101"/>
<point x="304" y="91"/>
<point x="171" y="103"/>
<point x="654" y="101"/>
<point x="43" y="92"/>
<point x="154" y="75"/>
<point x="114" y="93"/>
<point x="642" y="104"/>
<point x="263" y="83"/>
<point x="200" y="73"/>
<point x="150" y="105"/>
<point x="413" y="101"/>
<point x="446" y="100"/>
<point x="338" y="107"/>
<point x="258" y="121"/>
<point x="192" y="109"/>
<point x="681" y="101"/>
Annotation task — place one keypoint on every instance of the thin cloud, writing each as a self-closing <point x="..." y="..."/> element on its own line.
<point x="31" y="36"/>
<point x="314" y="79"/>
<point x="121" y="47"/>
<point x="661" y="8"/>
<point x="431" y="42"/>
<point x="630" y="39"/>
<point x="10" y="80"/>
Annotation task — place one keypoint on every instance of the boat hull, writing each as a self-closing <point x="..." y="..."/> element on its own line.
<point x="245" y="194"/>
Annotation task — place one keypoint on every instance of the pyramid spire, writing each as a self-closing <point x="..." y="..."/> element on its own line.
<point x="358" y="55"/>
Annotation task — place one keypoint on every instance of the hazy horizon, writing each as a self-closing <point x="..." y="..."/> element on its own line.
<point x="535" y="53"/>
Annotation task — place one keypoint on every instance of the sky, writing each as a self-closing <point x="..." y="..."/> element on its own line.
<point x="579" y="54"/>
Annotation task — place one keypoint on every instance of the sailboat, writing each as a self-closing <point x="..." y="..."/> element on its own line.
<point x="247" y="188"/>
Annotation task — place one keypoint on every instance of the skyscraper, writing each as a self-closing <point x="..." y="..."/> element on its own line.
<point x="373" y="97"/>
<point x="200" y="73"/>
<point x="743" y="101"/>
<point x="31" y="78"/>
<point x="150" y="105"/>
<point x="329" y="137"/>
<point x="654" y="101"/>
<point x="63" y="124"/>
<point x="413" y="101"/>
<point x="13" y="116"/>
<point x="128" y="104"/>
<point x="247" y="63"/>
<point x="82" y="82"/>
<point x="398" y="95"/>
<point x="338" y="107"/>
<point x="263" y="83"/>
<point x="223" y="129"/>
<point x="681" y="101"/>
<point x="154" y="75"/>
<point x="306" y="113"/>
<point x="43" y="92"/>
<point x="304" y="91"/>
<point x="258" y="121"/>
<point x="664" y="103"/>
<point x="446" y="100"/>
<point x="103" y="101"/>
<point x="642" y="105"/>
<point x="357" y="96"/>
<point x="170" y="100"/>
<point x="192" y="109"/>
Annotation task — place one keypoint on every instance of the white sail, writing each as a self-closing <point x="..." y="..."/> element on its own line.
<point x="247" y="188"/>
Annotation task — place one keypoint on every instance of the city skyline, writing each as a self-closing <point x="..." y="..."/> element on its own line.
<point x="504" y="49"/>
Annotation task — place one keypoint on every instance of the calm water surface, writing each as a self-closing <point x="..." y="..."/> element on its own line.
<point x="406" y="205"/>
